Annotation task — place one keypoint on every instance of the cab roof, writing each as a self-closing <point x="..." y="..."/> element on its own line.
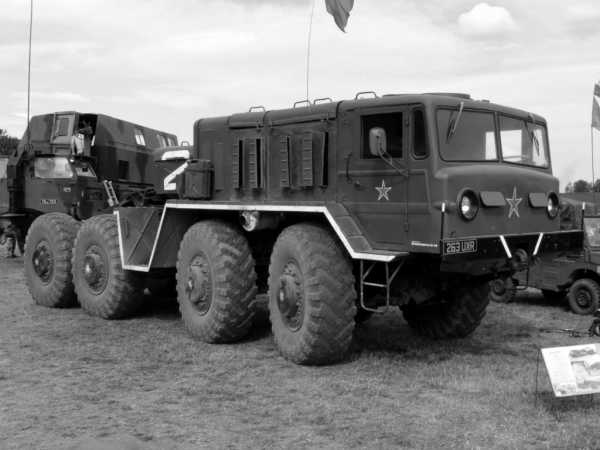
<point x="304" y="112"/>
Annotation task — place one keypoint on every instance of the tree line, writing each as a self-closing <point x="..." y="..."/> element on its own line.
<point x="7" y="143"/>
<point x="583" y="186"/>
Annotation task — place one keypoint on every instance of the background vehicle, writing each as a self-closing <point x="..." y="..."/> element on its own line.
<point x="68" y="167"/>
<point x="409" y="201"/>
<point x="572" y="275"/>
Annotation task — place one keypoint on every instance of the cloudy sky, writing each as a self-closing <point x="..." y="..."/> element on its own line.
<point x="166" y="63"/>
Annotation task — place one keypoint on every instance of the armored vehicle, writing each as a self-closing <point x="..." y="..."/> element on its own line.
<point x="68" y="167"/>
<point x="334" y="208"/>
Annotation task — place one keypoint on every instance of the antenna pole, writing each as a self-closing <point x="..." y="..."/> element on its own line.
<point x="312" y="15"/>
<point x="29" y="69"/>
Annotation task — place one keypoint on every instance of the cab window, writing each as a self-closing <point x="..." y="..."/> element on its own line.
<point x="592" y="231"/>
<point x="467" y="135"/>
<point x="52" y="168"/>
<point x="393" y="126"/>
<point x="3" y="164"/>
<point x="523" y="142"/>
<point x="139" y="137"/>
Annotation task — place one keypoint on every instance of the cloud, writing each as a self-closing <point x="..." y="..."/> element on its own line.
<point x="583" y="18"/>
<point x="485" y="21"/>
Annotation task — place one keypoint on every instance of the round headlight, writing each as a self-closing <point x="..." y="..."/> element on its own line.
<point x="469" y="205"/>
<point x="553" y="206"/>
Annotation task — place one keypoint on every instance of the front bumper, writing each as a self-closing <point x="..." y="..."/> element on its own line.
<point x="492" y="254"/>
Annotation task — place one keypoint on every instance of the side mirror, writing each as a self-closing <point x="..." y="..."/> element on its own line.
<point x="377" y="141"/>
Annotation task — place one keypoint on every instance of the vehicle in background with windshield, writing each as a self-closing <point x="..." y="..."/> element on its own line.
<point x="337" y="210"/>
<point x="574" y="276"/>
<point x="68" y="167"/>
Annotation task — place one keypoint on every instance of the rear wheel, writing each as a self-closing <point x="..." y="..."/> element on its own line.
<point x="216" y="282"/>
<point x="456" y="315"/>
<point x="47" y="259"/>
<point x="311" y="296"/>
<point x="503" y="290"/>
<point x="584" y="296"/>
<point x="103" y="287"/>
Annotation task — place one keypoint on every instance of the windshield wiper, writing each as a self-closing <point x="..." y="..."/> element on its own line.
<point x="532" y="135"/>
<point x="453" y="124"/>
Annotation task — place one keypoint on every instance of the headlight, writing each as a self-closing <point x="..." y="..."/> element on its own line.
<point x="552" y="207"/>
<point x="468" y="204"/>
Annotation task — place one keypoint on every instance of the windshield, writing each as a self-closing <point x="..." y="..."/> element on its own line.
<point x="592" y="231"/>
<point x="3" y="164"/>
<point x="469" y="136"/>
<point x="523" y="142"/>
<point x="52" y="167"/>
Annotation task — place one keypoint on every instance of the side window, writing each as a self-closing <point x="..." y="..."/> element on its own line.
<point x="162" y="141"/>
<point x="139" y="137"/>
<point x="419" y="138"/>
<point x="392" y="124"/>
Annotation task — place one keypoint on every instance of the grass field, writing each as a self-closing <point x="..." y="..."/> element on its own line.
<point x="65" y="377"/>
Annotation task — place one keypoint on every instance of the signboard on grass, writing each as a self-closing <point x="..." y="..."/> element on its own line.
<point x="573" y="370"/>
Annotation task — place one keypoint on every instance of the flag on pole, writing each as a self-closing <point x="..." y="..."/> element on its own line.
<point x="596" y="108"/>
<point x="340" y="10"/>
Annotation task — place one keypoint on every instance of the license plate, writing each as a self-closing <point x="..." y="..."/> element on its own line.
<point x="460" y="247"/>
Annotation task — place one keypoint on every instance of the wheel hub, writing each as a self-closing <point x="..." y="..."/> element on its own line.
<point x="95" y="270"/>
<point x="290" y="299"/>
<point x="43" y="262"/>
<point x="199" y="284"/>
<point x="583" y="298"/>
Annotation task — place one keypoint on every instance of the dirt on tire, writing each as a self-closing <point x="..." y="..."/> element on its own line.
<point x="116" y="293"/>
<point x="326" y="284"/>
<point x="47" y="260"/>
<point x="456" y="316"/>
<point x="216" y="282"/>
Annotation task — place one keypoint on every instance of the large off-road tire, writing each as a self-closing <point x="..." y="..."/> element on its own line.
<point x="311" y="295"/>
<point x="503" y="290"/>
<point x="584" y="296"/>
<point x="47" y="260"/>
<point x="103" y="287"/>
<point x="216" y="282"/>
<point x="457" y="315"/>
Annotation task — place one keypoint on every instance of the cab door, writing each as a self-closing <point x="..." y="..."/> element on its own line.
<point x="375" y="191"/>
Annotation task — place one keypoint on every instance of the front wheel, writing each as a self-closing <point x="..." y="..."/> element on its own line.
<point x="503" y="290"/>
<point x="584" y="296"/>
<point x="311" y="295"/>
<point x="456" y="315"/>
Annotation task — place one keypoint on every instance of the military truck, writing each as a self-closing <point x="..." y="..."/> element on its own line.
<point x="333" y="208"/>
<point x="68" y="167"/>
